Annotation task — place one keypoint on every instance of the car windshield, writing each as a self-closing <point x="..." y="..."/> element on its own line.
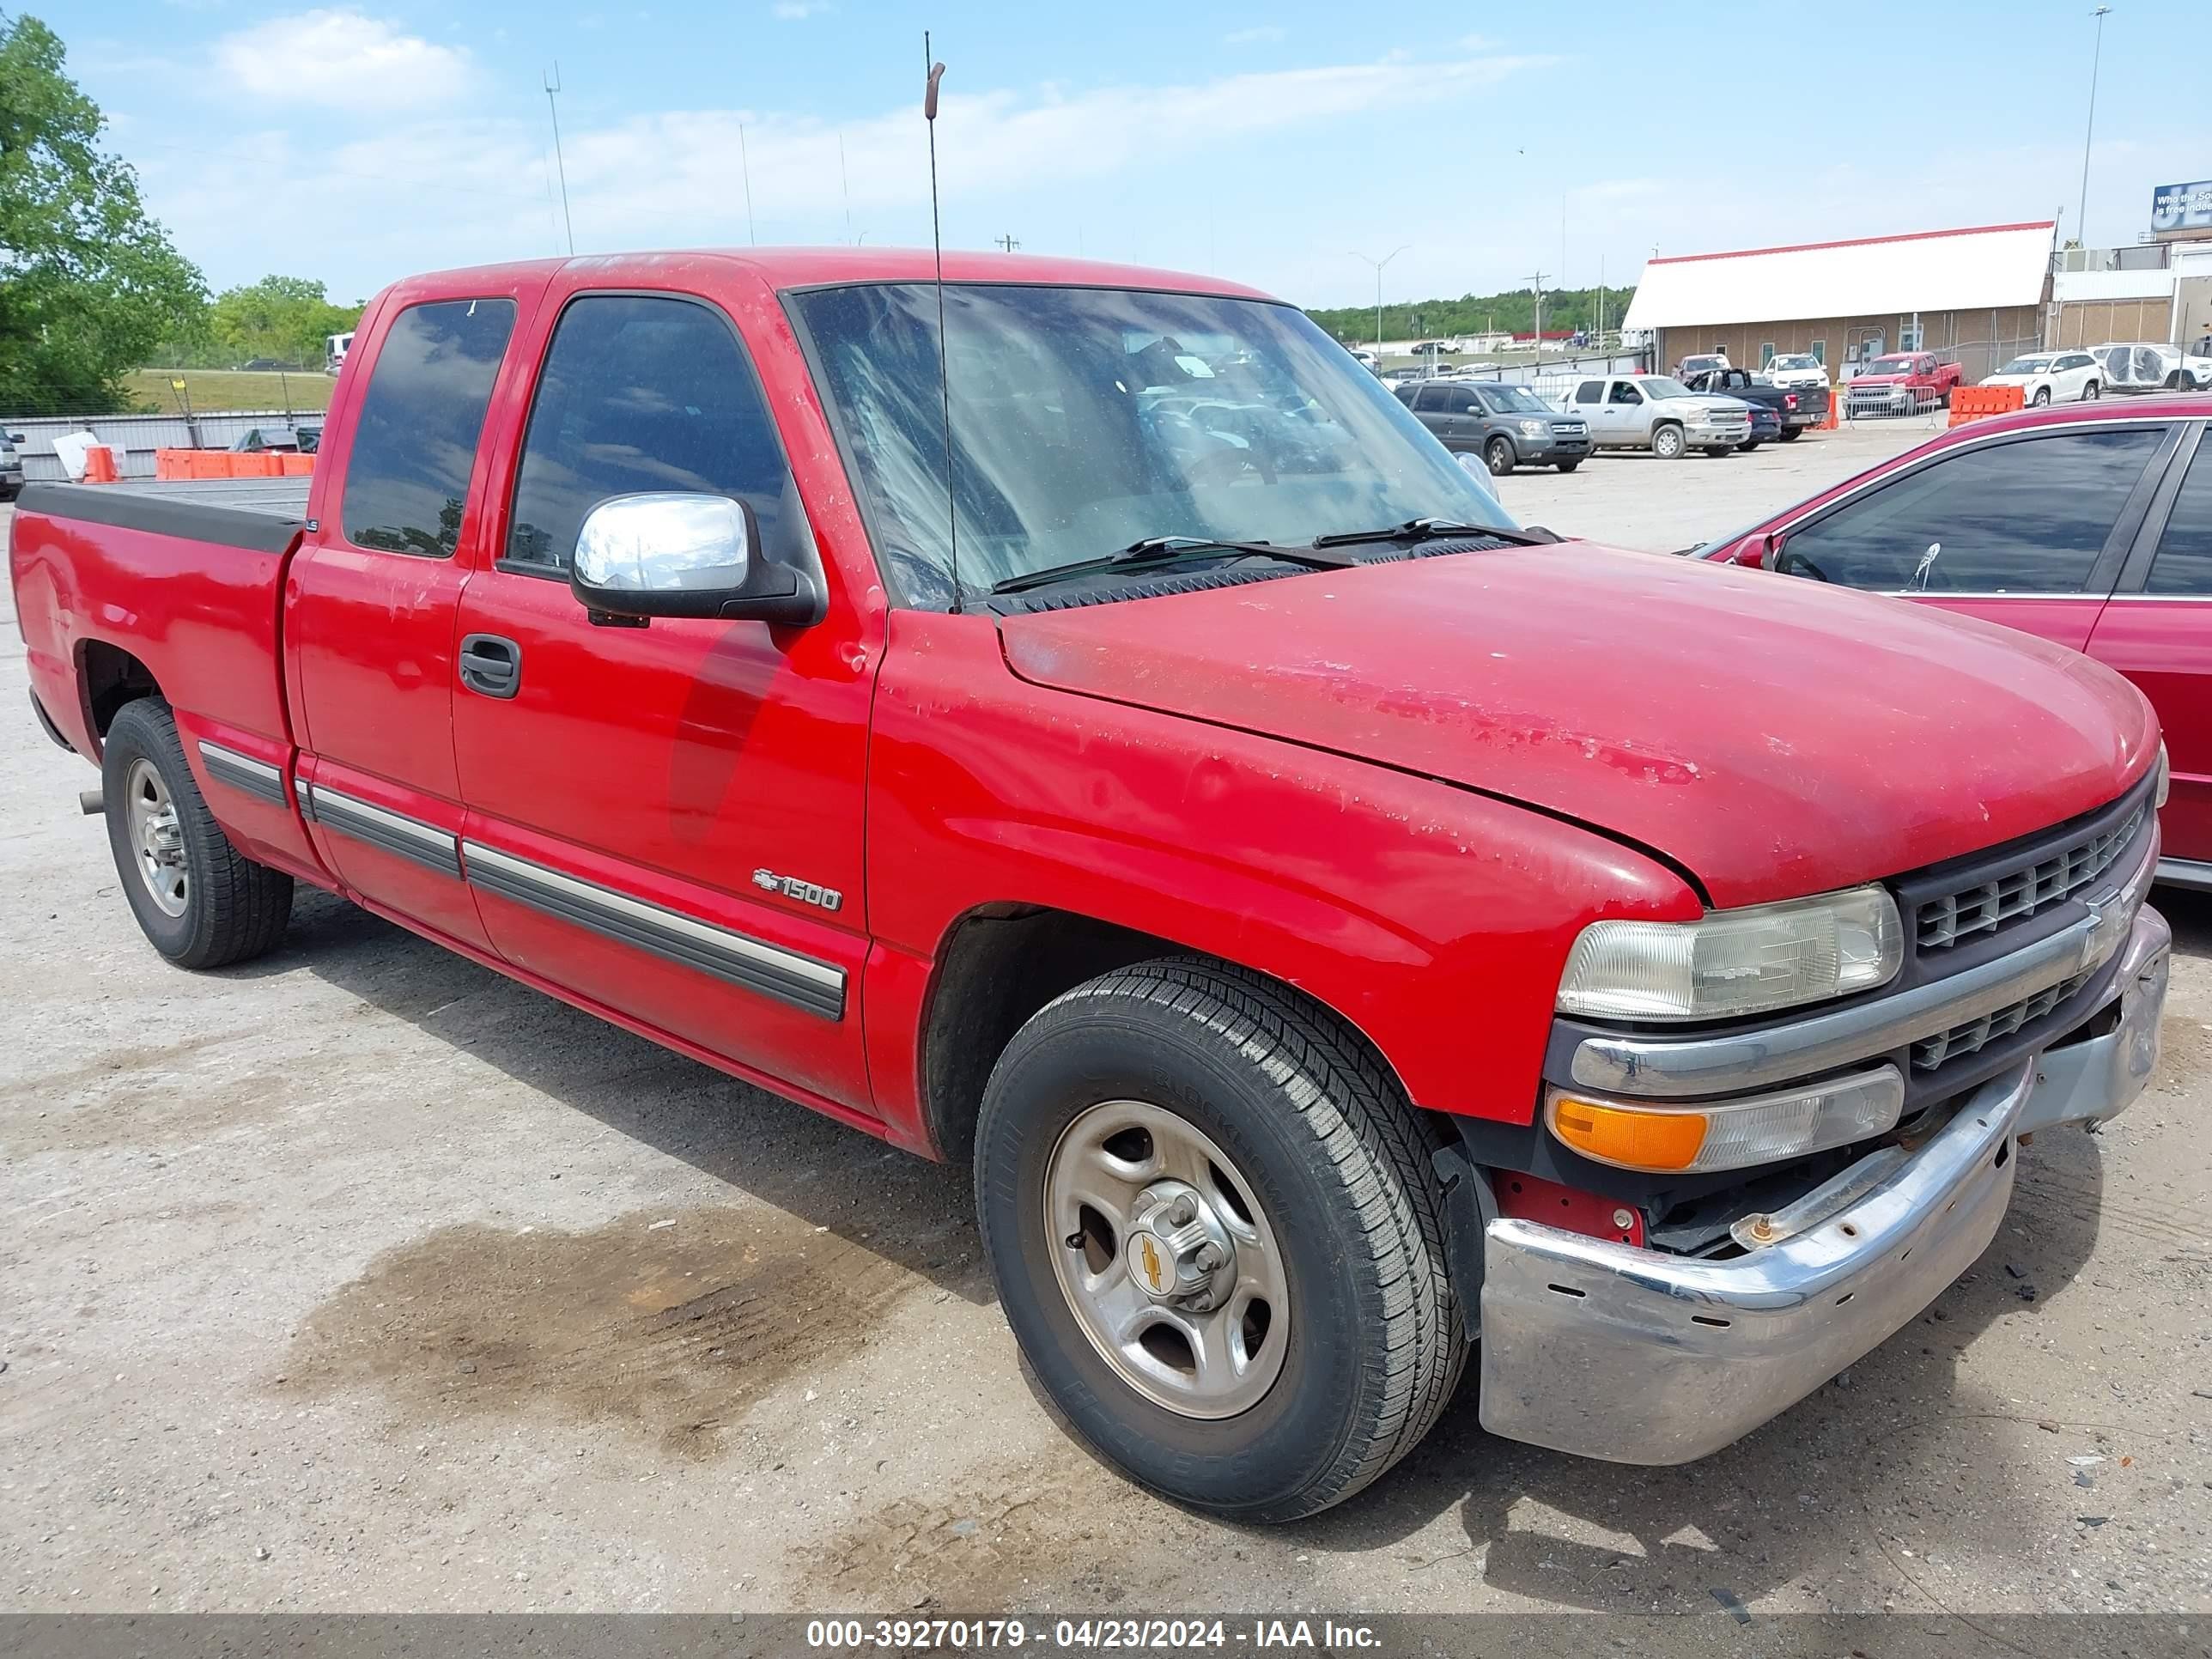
<point x="2025" y="366"/>
<point x="1664" y="386"/>
<point x="1515" y="400"/>
<point x="1794" y="363"/>
<point x="1890" y="366"/>
<point x="1087" y="420"/>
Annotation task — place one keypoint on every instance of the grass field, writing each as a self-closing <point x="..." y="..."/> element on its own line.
<point x="215" y="389"/>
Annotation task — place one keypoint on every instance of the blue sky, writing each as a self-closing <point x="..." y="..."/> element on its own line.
<point x="356" y="143"/>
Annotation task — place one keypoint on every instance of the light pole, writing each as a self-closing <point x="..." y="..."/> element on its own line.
<point x="2096" y="58"/>
<point x="1378" y="264"/>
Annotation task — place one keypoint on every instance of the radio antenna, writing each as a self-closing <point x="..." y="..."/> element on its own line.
<point x="943" y="354"/>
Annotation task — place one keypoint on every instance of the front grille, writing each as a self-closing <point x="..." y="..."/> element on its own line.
<point x="2045" y="876"/>
<point x="1931" y="1052"/>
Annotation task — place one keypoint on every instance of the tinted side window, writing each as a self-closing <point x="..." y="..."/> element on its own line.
<point x="1623" y="392"/>
<point x="407" y="477"/>
<point x="638" y="394"/>
<point x="1432" y="399"/>
<point x="2018" y="517"/>
<point x="2184" y="564"/>
<point x="1589" y="392"/>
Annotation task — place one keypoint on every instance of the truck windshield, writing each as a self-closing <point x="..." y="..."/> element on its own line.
<point x="1088" y="420"/>
<point x="1890" y="366"/>
<point x="1664" y="385"/>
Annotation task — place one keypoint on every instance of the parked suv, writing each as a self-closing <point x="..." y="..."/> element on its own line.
<point x="1659" y="413"/>
<point x="1507" y="426"/>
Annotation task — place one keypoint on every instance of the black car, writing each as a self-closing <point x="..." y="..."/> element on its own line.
<point x="11" y="467"/>
<point x="1507" y="426"/>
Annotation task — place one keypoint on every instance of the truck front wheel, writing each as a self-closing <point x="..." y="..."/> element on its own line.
<point x="199" y="901"/>
<point x="1666" y="443"/>
<point x="1215" y="1231"/>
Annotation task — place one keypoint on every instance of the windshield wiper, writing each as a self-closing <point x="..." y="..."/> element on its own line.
<point x="1167" y="550"/>
<point x="1422" y="530"/>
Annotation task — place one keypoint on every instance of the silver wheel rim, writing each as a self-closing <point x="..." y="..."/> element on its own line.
<point x="157" y="839"/>
<point x="1200" y="1325"/>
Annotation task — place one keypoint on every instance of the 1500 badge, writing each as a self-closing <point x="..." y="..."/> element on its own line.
<point x="806" y="892"/>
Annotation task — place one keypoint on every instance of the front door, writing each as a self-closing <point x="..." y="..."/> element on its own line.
<point x="2028" y="532"/>
<point x="664" y="819"/>
<point x="2161" y="637"/>
<point x="369" y="608"/>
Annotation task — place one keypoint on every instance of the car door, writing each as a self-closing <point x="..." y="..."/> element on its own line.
<point x="1626" y="415"/>
<point x="665" y="818"/>
<point x="1431" y="403"/>
<point x="1588" y="399"/>
<point x="2026" y="529"/>
<point x="370" y="600"/>
<point x="2157" y="630"/>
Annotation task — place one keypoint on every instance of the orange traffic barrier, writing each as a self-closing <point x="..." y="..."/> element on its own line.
<point x="1835" y="409"/>
<point x="170" y="463"/>
<point x="1972" y="402"/>
<point x="99" y="465"/>
<point x="296" y="466"/>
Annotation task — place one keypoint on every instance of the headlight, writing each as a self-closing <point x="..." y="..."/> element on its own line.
<point x="2164" y="775"/>
<point x="1535" y="429"/>
<point x="1731" y="1134"/>
<point x="1735" y="961"/>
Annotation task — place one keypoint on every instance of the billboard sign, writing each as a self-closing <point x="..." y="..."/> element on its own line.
<point x="2182" y="209"/>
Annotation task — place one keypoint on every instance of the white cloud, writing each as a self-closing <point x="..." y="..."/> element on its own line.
<point x="1263" y="35"/>
<point x="340" y="57"/>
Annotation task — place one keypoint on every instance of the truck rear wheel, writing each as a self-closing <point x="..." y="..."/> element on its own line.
<point x="1215" y="1232"/>
<point x="1789" y="434"/>
<point x="199" y="901"/>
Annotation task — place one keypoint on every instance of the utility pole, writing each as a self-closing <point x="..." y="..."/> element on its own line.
<point x="846" y="185"/>
<point x="552" y="86"/>
<point x="1538" y="281"/>
<point x="2096" y="58"/>
<point x="1007" y="241"/>
<point x="1378" y="264"/>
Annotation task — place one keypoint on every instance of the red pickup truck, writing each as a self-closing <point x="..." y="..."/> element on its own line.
<point x="1904" y="383"/>
<point x="1076" y="720"/>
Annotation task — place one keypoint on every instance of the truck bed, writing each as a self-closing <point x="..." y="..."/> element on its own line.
<point x="265" y="514"/>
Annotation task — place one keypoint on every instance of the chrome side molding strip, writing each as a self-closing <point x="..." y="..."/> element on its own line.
<point x="816" y="987"/>
<point x="243" y="773"/>
<point x="380" y="828"/>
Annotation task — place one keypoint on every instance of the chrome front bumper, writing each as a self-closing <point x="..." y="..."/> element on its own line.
<point x="1608" y="1351"/>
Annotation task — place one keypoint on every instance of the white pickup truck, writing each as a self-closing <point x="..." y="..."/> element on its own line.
<point x="1657" y="412"/>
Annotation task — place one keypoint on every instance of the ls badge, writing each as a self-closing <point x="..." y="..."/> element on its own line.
<point x="828" y="898"/>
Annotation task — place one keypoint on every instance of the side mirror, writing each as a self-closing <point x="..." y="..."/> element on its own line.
<point x="672" y="555"/>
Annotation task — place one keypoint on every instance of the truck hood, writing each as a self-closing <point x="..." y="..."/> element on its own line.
<point x="1775" y="738"/>
<point x="1725" y="401"/>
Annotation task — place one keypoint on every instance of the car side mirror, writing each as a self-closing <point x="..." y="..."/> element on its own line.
<point x="677" y="555"/>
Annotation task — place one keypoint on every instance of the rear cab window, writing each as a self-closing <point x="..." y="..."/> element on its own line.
<point x="421" y="418"/>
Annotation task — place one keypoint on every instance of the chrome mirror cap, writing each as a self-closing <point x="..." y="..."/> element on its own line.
<point x="664" y="543"/>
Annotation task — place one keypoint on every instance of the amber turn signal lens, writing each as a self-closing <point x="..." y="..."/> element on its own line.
<point x="1639" y="1140"/>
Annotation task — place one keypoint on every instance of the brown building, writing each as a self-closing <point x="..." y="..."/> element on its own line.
<point x="1977" y="296"/>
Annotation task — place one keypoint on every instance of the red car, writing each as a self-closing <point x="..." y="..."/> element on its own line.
<point x="1902" y="383"/>
<point x="1322" y="911"/>
<point x="2089" y="525"/>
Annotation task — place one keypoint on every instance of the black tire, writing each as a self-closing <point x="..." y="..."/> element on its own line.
<point x="1668" y="443"/>
<point x="1569" y="467"/>
<point x="1498" y="455"/>
<point x="234" y="910"/>
<point x="1330" y="1152"/>
<point x="2091" y="392"/>
<point x="1717" y="450"/>
<point x="1748" y="447"/>
<point x="2042" y="398"/>
<point x="1791" y="433"/>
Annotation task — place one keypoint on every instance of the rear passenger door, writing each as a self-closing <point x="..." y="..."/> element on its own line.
<point x="2157" y="630"/>
<point x="369" y="606"/>
<point x="2029" y="531"/>
<point x="665" y="817"/>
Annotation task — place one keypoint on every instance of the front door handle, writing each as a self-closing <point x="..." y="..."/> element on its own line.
<point x="491" y="665"/>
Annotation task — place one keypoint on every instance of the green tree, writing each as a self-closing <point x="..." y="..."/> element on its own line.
<point x="87" y="282"/>
<point x="1512" y="312"/>
<point x="286" y="318"/>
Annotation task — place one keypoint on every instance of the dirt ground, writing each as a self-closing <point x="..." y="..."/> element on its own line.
<point x="362" y="1279"/>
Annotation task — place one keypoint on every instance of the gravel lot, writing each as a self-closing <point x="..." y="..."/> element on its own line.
<point x="362" y="1279"/>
